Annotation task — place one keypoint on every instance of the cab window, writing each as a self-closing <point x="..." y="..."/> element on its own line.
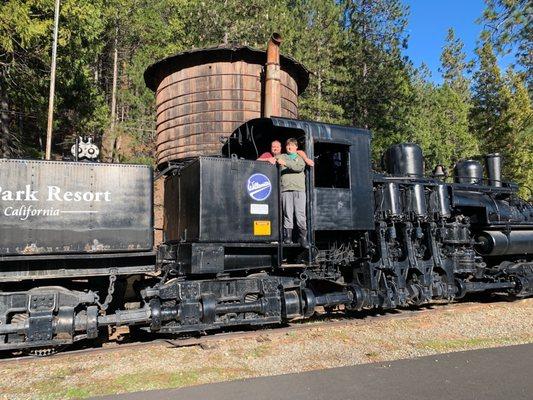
<point x="332" y="165"/>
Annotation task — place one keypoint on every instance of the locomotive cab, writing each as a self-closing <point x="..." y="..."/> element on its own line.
<point x="338" y="187"/>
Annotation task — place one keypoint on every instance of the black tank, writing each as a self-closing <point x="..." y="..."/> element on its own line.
<point x="468" y="171"/>
<point x="404" y="159"/>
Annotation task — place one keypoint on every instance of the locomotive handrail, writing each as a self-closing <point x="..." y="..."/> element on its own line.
<point x="496" y="189"/>
<point x="280" y="219"/>
<point x="425" y="181"/>
<point x="506" y="188"/>
<point x="309" y="213"/>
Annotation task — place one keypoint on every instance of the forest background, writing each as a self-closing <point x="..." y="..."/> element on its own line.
<point x="352" y="47"/>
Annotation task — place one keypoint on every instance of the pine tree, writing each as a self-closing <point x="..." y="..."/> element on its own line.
<point x="441" y="113"/>
<point x="508" y="27"/>
<point x="518" y="117"/>
<point x="378" y="95"/>
<point x="490" y="100"/>
<point x="439" y="124"/>
<point x="454" y="65"/>
<point x="317" y="41"/>
<point x="502" y="117"/>
<point x="215" y="22"/>
<point x="21" y="53"/>
<point x="25" y="50"/>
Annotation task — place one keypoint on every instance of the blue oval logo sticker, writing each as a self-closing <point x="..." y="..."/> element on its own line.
<point x="259" y="187"/>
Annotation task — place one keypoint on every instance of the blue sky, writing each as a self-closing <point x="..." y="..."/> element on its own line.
<point x="429" y="21"/>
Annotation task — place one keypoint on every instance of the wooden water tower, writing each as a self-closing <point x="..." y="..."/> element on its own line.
<point x="203" y="95"/>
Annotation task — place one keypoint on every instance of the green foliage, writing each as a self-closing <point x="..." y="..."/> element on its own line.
<point x="454" y="65"/>
<point x="318" y="40"/>
<point x="519" y="140"/>
<point x="146" y="31"/>
<point x="378" y="95"/>
<point x="490" y="97"/>
<point x="508" y="27"/>
<point x="212" y="22"/>
<point x="25" y="66"/>
<point x="502" y="116"/>
<point x="439" y="124"/>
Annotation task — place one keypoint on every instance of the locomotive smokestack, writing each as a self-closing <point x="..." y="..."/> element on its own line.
<point x="272" y="100"/>
<point x="493" y="163"/>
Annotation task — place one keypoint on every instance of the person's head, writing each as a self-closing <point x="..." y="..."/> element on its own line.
<point x="291" y="145"/>
<point x="275" y="148"/>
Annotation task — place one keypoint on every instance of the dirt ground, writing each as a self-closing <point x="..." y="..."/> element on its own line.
<point x="445" y="329"/>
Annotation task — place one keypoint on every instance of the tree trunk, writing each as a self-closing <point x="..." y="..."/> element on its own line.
<point x="5" y="148"/>
<point x="114" y="98"/>
<point x="115" y="78"/>
<point x="319" y="96"/>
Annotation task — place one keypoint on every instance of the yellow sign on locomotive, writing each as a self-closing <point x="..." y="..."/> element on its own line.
<point x="262" y="228"/>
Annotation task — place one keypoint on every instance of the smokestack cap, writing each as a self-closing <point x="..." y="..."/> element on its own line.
<point x="276" y="38"/>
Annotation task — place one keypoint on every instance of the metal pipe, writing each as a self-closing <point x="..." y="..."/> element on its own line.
<point x="444" y="200"/>
<point x="493" y="163"/>
<point x="472" y="287"/>
<point x="418" y="200"/>
<point x="391" y="194"/>
<point x="126" y="317"/>
<point x="256" y="306"/>
<point x="272" y="99"/>
<point x="335" y="298"/>
<point x="14" y="328"/>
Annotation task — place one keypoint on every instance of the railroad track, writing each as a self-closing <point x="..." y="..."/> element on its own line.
<point x="122" y="341"/>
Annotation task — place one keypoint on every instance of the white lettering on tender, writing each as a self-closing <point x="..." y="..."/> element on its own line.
<point x="24" y="212"/>
<point x="55" y="194"/>
<point x="19" y="195"/>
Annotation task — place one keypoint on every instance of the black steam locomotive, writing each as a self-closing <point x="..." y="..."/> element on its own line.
<point x="76" y="253"/>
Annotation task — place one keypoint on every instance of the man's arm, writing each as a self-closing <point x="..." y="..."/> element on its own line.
<point x="296" y="165"/>
<point x="267" y="157"/>
<point x="306" y="159"/>
<point x="271" y="160"/>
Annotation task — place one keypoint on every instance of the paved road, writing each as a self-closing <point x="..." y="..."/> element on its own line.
<point x="499" y="374"/>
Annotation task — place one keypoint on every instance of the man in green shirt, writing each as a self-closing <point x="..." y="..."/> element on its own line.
<point x="293" y="197"/>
